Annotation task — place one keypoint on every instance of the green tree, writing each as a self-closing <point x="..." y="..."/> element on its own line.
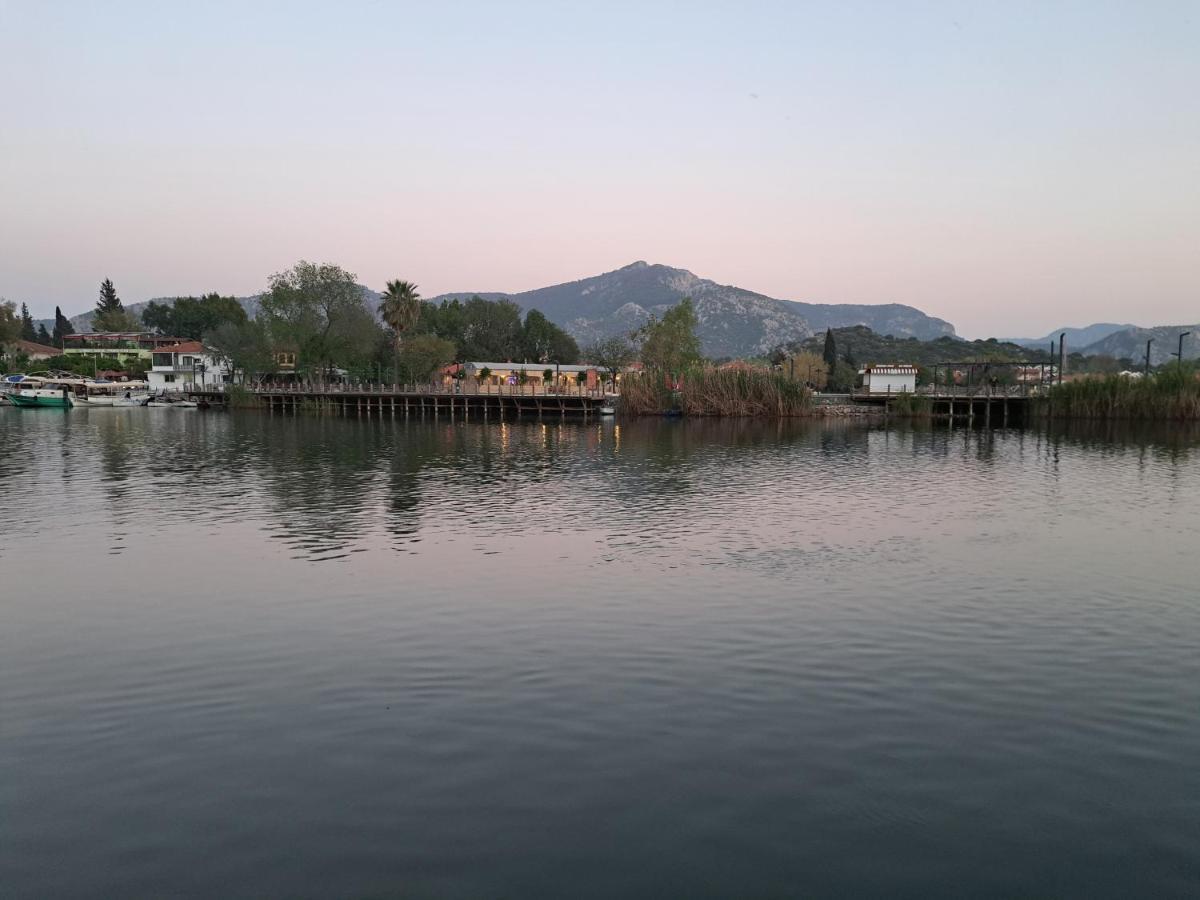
<point x="319" y="311"/>
<point x="612" y="354"/>
<point x="830" y="354"/>
<point x="491" y="330"/>
<point x="671" y="344"/>
<point x="543" y="341"/>
<point x="10" y="323"/>
<point x="28" y="331"/>
<point x="401" y="309"/>
<point x="842" y="377"/>
<point x="62" y="327"/>
<point x="110" y="314"/>
<point x="193" y="317"/>
<point x="43" y="336"/>
<point x="245" y="347"/>
<point x="422" y="355"/>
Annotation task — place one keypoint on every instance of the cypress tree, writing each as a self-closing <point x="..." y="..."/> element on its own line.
<point x="28" y="332"/>
<point x="43" y="336"/>
<point x="62" y="327"/>
<point x="830" y="354"/>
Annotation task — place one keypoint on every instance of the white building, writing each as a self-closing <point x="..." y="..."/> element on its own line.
<point x="184" y="367"/>
<point x="895" y="379"/>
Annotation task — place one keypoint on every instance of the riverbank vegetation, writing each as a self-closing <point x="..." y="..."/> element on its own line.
<point x="708" y="391"/>
<point x="1173" y="393"/>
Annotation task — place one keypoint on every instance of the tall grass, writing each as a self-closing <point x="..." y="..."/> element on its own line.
<point x="238" y="396"/>
<point x="716" y="392"/>
<point x="912" y="406"/>
<point x="1172" y="394"/>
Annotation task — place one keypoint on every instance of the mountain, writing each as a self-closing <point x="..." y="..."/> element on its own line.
<point x="1076" y="337"/>
<point x="1131" y="342"/>
<point x="864" y="345"/>
<point x="732" y="321"/>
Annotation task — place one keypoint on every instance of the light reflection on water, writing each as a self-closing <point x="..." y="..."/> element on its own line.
<point x="258" y="655"/>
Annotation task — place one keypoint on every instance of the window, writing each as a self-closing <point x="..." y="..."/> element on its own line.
<point x="168" y="378"/>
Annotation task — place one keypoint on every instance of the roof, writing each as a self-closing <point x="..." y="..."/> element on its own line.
<point x="30" y="347"/>
<point x="527" y="367"/>
<point x="890" y="369"/>
<point x="119" y="336"/>
<point x="182" y="347"/>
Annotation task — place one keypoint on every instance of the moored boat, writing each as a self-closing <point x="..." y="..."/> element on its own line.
<point x="93" y="394"/>
<point x="48" y="395"/>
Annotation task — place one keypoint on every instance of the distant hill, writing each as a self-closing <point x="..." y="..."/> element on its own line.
<point x="866" y="346"/>
<point x="1076" y="337"/>
<point x="1131" y="342"/>
<point x="733" y="321"/>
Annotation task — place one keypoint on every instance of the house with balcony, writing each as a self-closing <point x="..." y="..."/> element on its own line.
<point x="186" y="366"/>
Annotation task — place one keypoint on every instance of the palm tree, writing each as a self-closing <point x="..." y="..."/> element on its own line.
<point x="401" y="307"/>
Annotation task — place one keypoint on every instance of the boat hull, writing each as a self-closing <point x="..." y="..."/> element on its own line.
<point x="35" y="402"/>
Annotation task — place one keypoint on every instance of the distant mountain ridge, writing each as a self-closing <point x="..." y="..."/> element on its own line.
<point x="733" y="321"/>
<point x="1076" y="337"/>
<point x="1131" y="342"/>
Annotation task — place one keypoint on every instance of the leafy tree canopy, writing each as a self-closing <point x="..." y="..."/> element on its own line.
<point x="10" y="322"/>
<point x="318" y="310"/>
<point x="670" y="344"/>
<point x="612" y="354"/>
<point x="543" y="341"/>
<point x="192" y="317"/>
<point x="422" y="355"/>
<point x="244" y="346"/>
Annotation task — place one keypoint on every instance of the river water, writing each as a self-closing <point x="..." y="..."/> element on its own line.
<point x="254" y="656"/>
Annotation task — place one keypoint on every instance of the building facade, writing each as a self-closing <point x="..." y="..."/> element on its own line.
<point x="122" y="345"/>
<point x="186" y="366"/>
<point x="889" y="379"/>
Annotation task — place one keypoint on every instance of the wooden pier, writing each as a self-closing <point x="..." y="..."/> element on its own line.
<point x="405" y="401"/>
<point x="984" y="404"/>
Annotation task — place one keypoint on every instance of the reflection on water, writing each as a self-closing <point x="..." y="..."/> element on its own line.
<point x="259" y="655"/>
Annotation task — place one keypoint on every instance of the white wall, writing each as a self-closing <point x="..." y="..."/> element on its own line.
<point x="878" y="383"/>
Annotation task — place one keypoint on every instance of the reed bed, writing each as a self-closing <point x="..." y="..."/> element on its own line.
<point x="911" y="406"/>
<point x="716" y="392"/>
<point x="1172" y="394"/>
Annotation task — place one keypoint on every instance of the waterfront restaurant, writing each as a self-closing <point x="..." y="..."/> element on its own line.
<point x="122" y="345"/>
<point x="564" y="377"/>
<point x="889" y="379"/>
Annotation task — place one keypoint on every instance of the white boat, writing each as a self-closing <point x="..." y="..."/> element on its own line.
<point x="608" y="411"/>
<point x="93" y="394"/>
<point x="159" y="403"/>
<point x="141" y="400"/>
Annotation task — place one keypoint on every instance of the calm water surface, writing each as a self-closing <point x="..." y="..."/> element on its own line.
<point x="250" y="656"/>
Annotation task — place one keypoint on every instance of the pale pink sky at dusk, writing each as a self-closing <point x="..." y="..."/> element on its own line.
<point x="1008" y="167"/>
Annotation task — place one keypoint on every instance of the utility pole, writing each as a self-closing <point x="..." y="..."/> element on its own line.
<point x="1062" y="355"/>
<point x="1148" y="343"/>
<point x="1179" y="355"/>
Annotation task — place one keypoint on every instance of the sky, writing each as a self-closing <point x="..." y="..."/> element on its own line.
<point x="1010" y="167"/>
